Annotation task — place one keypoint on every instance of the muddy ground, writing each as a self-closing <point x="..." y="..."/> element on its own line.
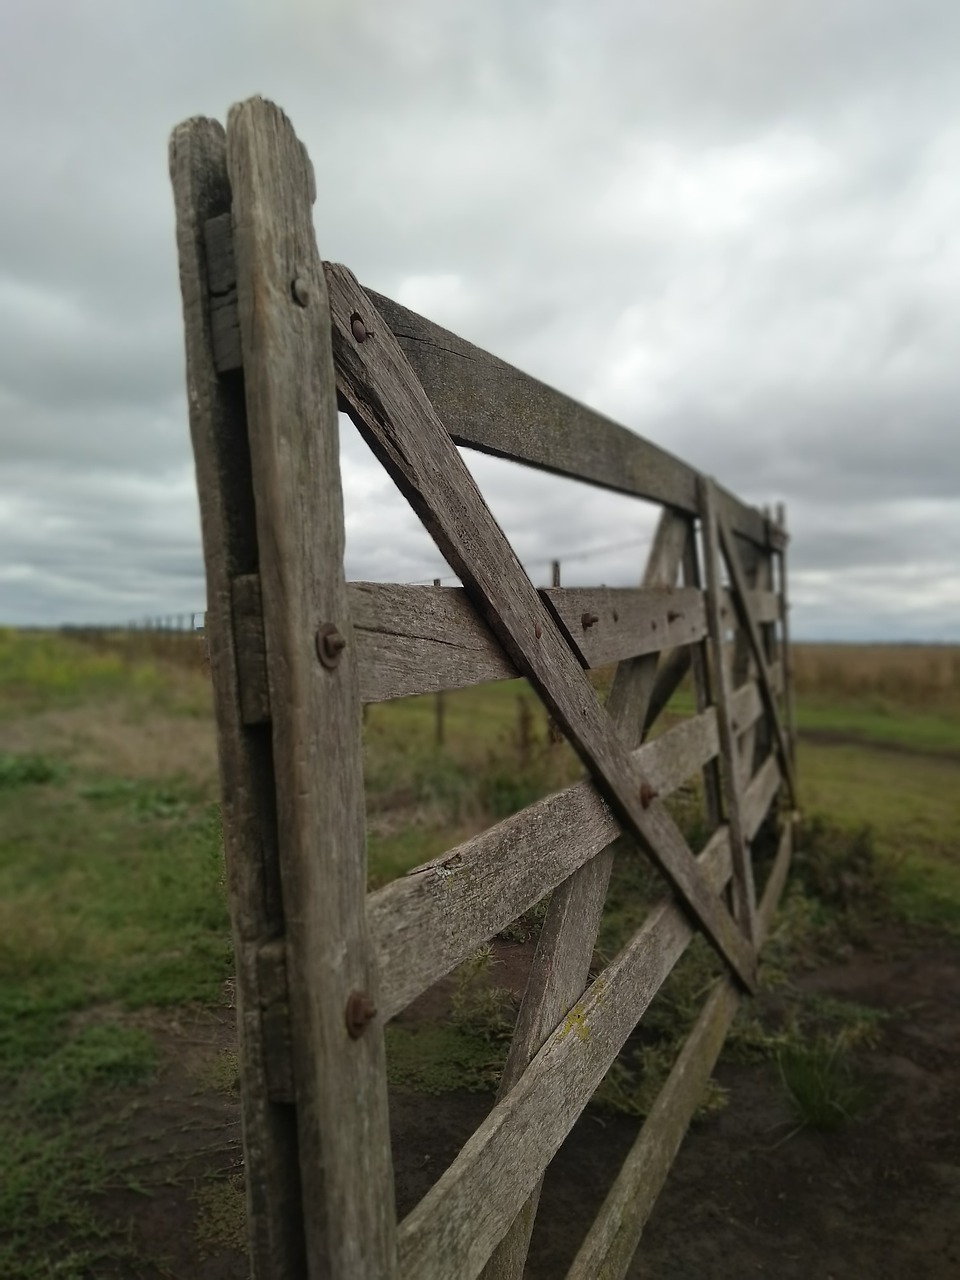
<point x="748" y="1195"/>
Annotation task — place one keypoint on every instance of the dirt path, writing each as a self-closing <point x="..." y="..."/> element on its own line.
<point x="747" y="1196"/>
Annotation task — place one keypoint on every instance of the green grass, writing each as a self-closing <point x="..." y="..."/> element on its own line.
<point x="881" y="721"/>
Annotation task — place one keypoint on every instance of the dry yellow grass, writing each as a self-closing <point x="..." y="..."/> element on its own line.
<point x="909" y="675"/>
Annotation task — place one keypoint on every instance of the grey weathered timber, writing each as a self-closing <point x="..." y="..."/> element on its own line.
<point x="743" y="887"/>
<point x="417" y="639"/>
<point x="740" y="596"/>
<point x="340" y="1082"/>
<point x="787" y="659"/>
<point x="558" y="974"/>
<point x="488" y="405"/>
<point x="389" y="407"/>
<point x="457" y="1224"/>
<point x="700" y="667"/>
<point x="612" y="1240"/>
<point x="434" y="917"/>
<point x="218" y="431"/>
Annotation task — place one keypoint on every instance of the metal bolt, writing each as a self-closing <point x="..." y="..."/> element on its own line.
<point x="301" y="291"/>
<point x="588" y="620"/>
<point x="330" y="645"/>
<point x="359" y="329"/>
<point x="538" y="630"/>
<point x="647" y="795"/>
<point x="360" y="1012"/>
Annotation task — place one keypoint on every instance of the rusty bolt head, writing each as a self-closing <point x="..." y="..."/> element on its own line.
<point x="301" y="291"/>
<point x="538" y="630"/>
<point x="359" y="329"/>
<point x="360" y="1012"/>
<point x="330" y="645"/>
<point x="588" y="620"/>
<point x="647" y="795"/>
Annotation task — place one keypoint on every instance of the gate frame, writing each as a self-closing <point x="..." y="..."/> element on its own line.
<point x="276" y="343"/>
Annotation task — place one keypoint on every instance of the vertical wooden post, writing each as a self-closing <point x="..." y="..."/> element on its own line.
<point x="701" y="687"/>
<point x="338" y="1056"/>
<point x="743" y="886"/>
<point x="218" y="430"/>
<point x="265" y="431"/>
<point x="439" y="707"/>
<point x="555" y="573"/>
<point x="786" y="653"/>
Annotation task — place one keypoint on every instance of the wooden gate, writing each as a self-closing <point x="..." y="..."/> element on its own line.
<point x="276" y="339"/>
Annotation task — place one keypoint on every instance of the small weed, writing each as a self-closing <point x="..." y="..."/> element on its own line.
<point x="27" y="770"/>
<point x="819" y="1081"/>
<point x="222" y="1215"/>
<point x="99" y="1056"/>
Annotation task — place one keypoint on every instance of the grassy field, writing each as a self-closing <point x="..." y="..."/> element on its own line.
<point x="111" y="886"/>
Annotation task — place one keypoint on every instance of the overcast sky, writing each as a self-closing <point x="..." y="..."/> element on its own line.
<point x="732" y="225"/>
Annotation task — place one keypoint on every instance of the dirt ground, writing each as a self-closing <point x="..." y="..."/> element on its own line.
<point x="747" y="1195"/>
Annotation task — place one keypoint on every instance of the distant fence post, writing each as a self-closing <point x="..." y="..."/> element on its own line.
<point x="439" y="707"/>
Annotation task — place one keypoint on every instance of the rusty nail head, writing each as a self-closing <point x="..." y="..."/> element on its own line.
<point x="360" y="1013"/>
<point x="359" y="329"/>
<point x="588" y="620"/>
<point x="301" y="291"/>
<point x="538" y="631"/>
<point x="647" y="795"/>
<point x="330" y="645"/>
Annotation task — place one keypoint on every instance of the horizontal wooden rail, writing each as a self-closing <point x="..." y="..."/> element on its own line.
<point x="428" y="921"/>
<point x="612" y="1240"/>
<point x="414" y="640"/>
<point x="458" y="1223"/>
<point x="488" y="405"/>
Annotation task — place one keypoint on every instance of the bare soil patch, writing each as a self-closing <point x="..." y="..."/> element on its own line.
<point x="748" y="1195"/>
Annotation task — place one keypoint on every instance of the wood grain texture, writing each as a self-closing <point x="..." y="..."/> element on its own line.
<point x="612" y="1240"/>
<point x="218" y="432"/>
<point x="741" y="602"/>
<point x="458" y="1223"/>
<point x="702" y="692"/>
<point x="392" y="412"/>
<point x="787" y="656"/>
<point x="743" y="887"/>
<point x="431" y="919"/>
<point x="561" y="964"/>
<point x="340" y="1082"/>
<point x="488" y="405"/>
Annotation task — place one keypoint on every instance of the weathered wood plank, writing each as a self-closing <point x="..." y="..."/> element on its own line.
<point x="458" y="1223"/>
<point x="612" y="1240"/>
<point x="218" y="432"/>
<point x="701" y="688"/>
<point x="429" y="920"/>
<point x="787" y="653"/>
<point x="743" y="887"/>
<point x="758" y="795"/>
<point x="392" y="412"/>
<point x="741" y="601"/>
<point x="417" y="639"/>
<point x="345" y="1157"/>
<point x="488" y="405"/>
<point x="565" y="947"/>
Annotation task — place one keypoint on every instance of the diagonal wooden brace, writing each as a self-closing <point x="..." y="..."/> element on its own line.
<point x="384" y="398"/>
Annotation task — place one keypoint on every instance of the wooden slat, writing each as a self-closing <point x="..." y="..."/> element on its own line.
<point x="344" y="1139"/>
<point x="488" y="405"/>
<point x="399" y="423"/>
<point x="743" y="887"/>
<point x="417" y="639"/>
<point x="218" y="432"/>
<point x="758" y="795"/>
<point x="433" y="918"/>
<point x="742" y="603"/>
<point x="701" y="688"/>
<point x="787" y="658"/>
<point x="565" y="947"/>
<point x="457" y="1224"/>
<point x="612" y="1240"/>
